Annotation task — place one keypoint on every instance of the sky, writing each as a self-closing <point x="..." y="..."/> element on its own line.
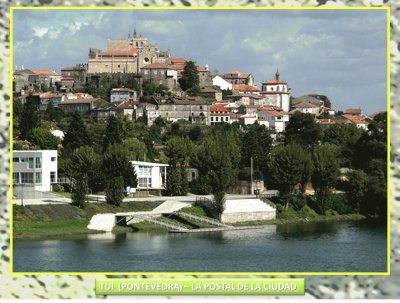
<point x="338" y="53"/>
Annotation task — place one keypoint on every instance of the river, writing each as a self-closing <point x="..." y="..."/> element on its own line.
<point x="310" y="247"/>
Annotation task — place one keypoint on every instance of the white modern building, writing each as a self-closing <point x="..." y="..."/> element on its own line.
<point x="150" y="175"/>
<point x="36" y="168"/>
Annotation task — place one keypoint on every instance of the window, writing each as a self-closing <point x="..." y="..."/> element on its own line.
<point x="15" y="160"/>
<point x="193" y="175"/>
<point x="15" y="178"/>
<point x="226" y="118"/>
<point x="38" y="178"/>
<point x="216" y="119"/>
<point x="119" y="65"/>
<point x="144" y="182"/>
<point x="52" y="177"/>
<point x="53" y="159"/>
<point x="26" y="178"/>
<point x="212" y="119"/>
<point x="144" y="171"/>
<point x="38" y="162"/>
<point x="29" y="161"/>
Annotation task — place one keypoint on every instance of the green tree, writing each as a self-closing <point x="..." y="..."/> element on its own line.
<point x="30" y="117"/>
<point x="116" y="162"/>
<point x="85" y="166"/>
<point x="178" y="150"/>
<point x="256" y="143"/>
<point x="289" y="166"/>
<point x="303" y="130"/>
<point x="190" y="81"/>
<point x="114" y="132"/>
<point x="115" y="190"/>
<point x="373" y="143"/>
<point x="79" y="192"/>
<point x="325" y="172"/>
<point x="345" y="136"/>
<point x="217" y="161"/>
<point x="76" y="134"/>
<point x="357" y="187"/>
<point x="136" y="149"/>
<point x="43" y="138"/>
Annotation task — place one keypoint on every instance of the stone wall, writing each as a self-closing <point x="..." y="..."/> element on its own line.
<point x="248" y="216"/>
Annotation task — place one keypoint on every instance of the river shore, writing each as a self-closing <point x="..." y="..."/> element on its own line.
<point x="56" y="221"/>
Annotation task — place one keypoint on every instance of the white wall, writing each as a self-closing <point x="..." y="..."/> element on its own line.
<point x="45" y="168"/>
<point x="222" y="83"/>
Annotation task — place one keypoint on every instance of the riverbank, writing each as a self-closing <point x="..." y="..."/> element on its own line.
<point x="43" y="221"/>
<point x="54" y="221"/>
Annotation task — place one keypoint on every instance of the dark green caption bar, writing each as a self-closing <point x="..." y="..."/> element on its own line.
<point x="200" y="286"/>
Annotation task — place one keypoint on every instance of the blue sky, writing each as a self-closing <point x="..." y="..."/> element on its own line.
<point x="338" y="53"/>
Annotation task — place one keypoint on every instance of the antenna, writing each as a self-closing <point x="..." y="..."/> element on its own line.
<point x="134" y="32"/>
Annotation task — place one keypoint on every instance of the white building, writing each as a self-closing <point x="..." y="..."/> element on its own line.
<point x="277" y="119"/>
<point x="37" y="168"/>
<point x="276" y="92"/>
<point x="221" y="83"/>
<point x="119" y="95"/>
<point x="150" y="175"/>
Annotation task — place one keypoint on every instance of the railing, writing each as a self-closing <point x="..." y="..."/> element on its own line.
<point x="163" y="224"/>
<point x="202" y="219"/>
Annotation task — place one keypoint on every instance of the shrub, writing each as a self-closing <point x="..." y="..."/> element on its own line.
<point x="306" y="211"/>
<point x="339" y="203"/>
<point x="58" y="188"/>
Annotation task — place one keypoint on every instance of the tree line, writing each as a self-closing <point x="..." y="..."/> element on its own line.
<point x="97" y="155"/>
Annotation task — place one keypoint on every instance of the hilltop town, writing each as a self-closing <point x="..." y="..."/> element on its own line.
<point x="134" y="119"/>
<point x="131" y="64"/>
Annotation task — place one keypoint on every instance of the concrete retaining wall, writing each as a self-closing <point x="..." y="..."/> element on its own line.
<point x="248" y="216"/>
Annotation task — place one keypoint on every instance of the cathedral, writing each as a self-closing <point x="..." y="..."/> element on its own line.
<point x="125" y="56"/>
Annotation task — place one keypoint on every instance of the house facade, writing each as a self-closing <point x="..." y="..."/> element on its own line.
<point x="36" y="168"/>
<point x="150" y="176"/>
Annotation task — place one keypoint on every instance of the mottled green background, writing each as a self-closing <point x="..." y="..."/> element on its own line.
<point x="62" y="286"/>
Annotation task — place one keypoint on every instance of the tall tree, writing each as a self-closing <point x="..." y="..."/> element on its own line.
<point x="178" y="150"/>
<point x="190" y="81"/>
<point x="325" y="172"/>
<point x="116" y="162"/>
<point x="217" y="160"/>
<point x="76" y="134"/>
<point x="30" y="117"/>
<point x="114" y="132"/>
<point x="256" y="144"/>
<point x="289" y="166"/>
<point x="303" y="130"/>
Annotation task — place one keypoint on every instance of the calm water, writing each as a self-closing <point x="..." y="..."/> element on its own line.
<point x="344" y="246"/>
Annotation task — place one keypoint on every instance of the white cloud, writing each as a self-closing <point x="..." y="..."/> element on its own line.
<point x="40" y="31"/>
<point x="161" y="27"/>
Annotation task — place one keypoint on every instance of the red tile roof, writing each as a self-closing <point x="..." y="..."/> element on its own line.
<point x="128" y="105"/>
<point x="44" y="72"/>
<point x="245" y="87"/>
<point x="156" y="66"/>
<point x="218" y="107"/>
<point x="178" y="60"/>
<point x="237" y="74"/>
<point x="305" y="105"/>
<point x="67" y="78"/>
<point x="353" y="119"/>
<point x="353" y="111"/>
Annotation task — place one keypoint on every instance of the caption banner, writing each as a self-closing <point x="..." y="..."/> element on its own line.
<point x="200" y="286"/>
